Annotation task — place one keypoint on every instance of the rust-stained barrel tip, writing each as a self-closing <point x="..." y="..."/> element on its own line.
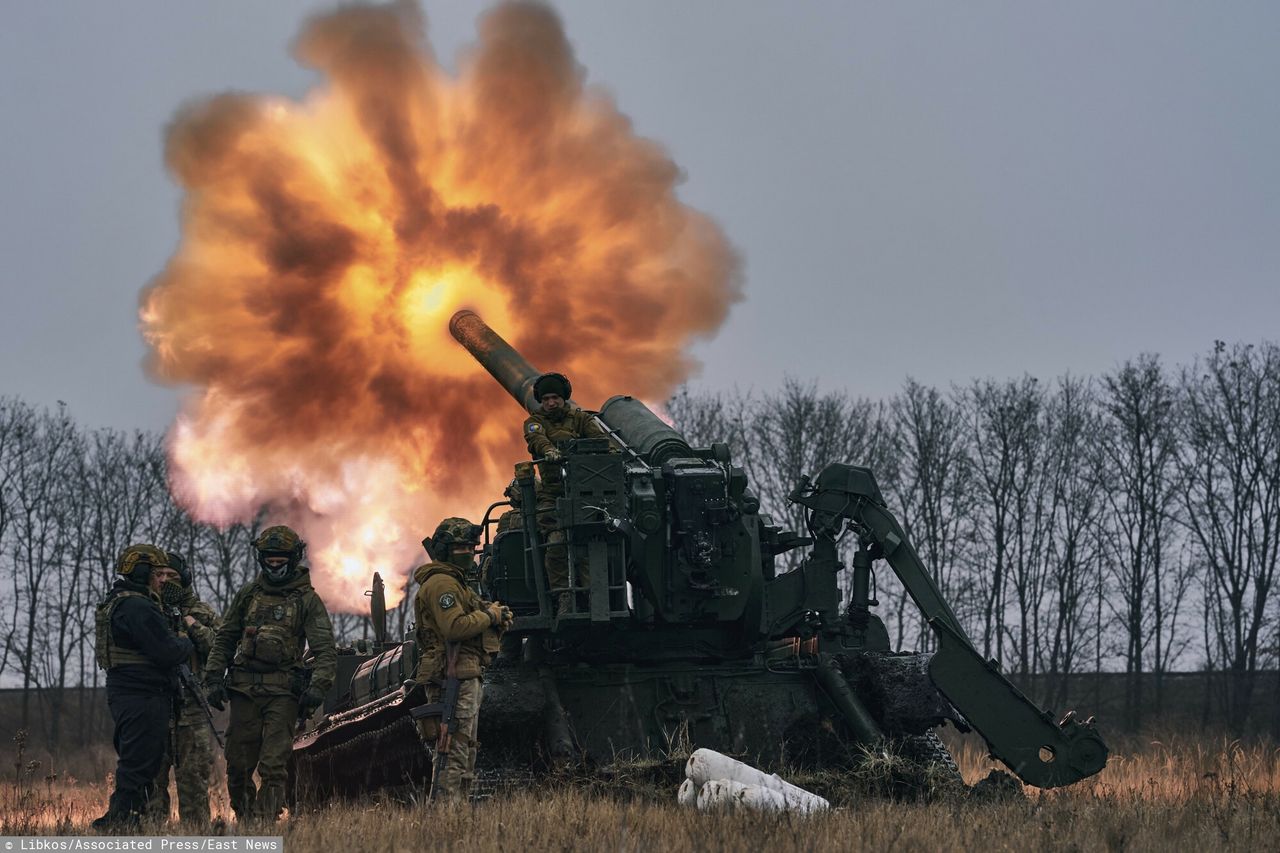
<point x="458" y="317"/>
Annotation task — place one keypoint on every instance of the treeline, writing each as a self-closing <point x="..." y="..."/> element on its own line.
<point x="1128" y="522"/>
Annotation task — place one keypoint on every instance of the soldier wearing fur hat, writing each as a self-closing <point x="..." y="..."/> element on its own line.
<point x="139" y="651"/>
<point x="457" y="633"/>
<point x="556" y="420"/>
<point x="256" y="664"/>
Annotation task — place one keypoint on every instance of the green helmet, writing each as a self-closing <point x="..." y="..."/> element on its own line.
<point x="449" y="532"/>
<point x="137" y="561"/>
<point x="279" y="541"/>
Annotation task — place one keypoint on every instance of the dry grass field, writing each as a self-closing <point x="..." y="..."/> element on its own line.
<point x="1173" y="793"/>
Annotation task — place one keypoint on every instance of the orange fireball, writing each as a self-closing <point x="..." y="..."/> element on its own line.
<point x="326" y="243"/>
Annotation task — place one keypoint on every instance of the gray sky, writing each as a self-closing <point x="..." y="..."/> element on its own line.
<point x="945" y="190"/>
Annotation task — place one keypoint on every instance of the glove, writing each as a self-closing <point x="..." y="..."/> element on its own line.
<point x="215" y="692"/>
<point x="311" y="699"/>
<point x="553" y="455"/>
<point x="499" y="614"/>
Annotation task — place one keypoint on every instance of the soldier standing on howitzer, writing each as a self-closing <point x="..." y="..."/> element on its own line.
<point x="137" y="648"/>
<point x="266" y="627"/>
<point x="556" y="420"/>
<point x="189" y="752"/>
<point x="457" y="633"/>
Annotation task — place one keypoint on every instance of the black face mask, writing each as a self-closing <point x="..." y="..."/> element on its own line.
<point x="171" y="593"/>
<point x="462" y="561"/>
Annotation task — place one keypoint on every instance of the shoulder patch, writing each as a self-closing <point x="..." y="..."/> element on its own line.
<point x="534" y="426"/>
<point x="447" y="600"/>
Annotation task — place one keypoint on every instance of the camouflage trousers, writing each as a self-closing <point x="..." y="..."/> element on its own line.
<point x="260" y="736"/>
<point x="460" y="772"/>
<point x="192" y="765"/>
<point x="555" y="557"/>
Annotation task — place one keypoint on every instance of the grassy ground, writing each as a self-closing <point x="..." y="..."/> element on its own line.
<point x="1174" y="792"/>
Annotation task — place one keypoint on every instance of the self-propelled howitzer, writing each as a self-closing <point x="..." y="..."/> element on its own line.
<point x="685" y="624"/>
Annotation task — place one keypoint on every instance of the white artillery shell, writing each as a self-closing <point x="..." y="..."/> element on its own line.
<point x="706" y="765"/>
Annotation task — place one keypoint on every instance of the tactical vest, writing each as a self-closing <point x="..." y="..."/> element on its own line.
<point x="109" y="654"/>
<point x="273" y="631"/>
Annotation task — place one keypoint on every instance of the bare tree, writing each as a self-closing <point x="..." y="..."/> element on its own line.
<point x="1231" y="491"/>
<point x="799" y="431"/>
<point x="1137" y="464"/>
<point x="1007" y="435"/>
<point x="46" y="457"/>
<point x="1074" y="552"/>
<point x="930" y="479"/>
<point x="225" y="561"/>
<point x="17" y="427"/>
<point x="65" y="599"/>
<point x="707" y="418"/>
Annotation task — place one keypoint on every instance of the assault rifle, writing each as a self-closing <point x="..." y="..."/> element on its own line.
<point x="446" y="710"/>
<point x="188" y="682"/>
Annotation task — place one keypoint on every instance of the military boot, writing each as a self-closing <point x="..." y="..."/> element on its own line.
<point x="107" y="820"/>
<point x="120" y="816"/>
<point x="564" y="605"/>
<point x="243" y="809"/>
<point x="269" y="804"/>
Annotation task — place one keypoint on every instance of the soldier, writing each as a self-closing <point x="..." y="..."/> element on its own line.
<point x="136" y="647"/>
<point x="513" y="518"/>
<point x="453" y="621"/>
<point x="557" y="420"/>
<point x="190" y="753"/>
<point x="266" y="627"/>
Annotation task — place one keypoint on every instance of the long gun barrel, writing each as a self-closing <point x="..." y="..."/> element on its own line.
<point x="496" y="356"/>
<point x="627" y="419"/>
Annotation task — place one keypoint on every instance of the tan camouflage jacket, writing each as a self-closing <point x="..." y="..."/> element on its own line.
<point x="445" y="609"/>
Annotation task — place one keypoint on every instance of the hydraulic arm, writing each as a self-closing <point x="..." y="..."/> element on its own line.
<point x="1039" y="750"/>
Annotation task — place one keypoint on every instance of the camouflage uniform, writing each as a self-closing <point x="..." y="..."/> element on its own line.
<point x="189" y="751"/>
<point x="543" y="431"/>
<point x="447" y="611"/>
<point x="266" y="627"/>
